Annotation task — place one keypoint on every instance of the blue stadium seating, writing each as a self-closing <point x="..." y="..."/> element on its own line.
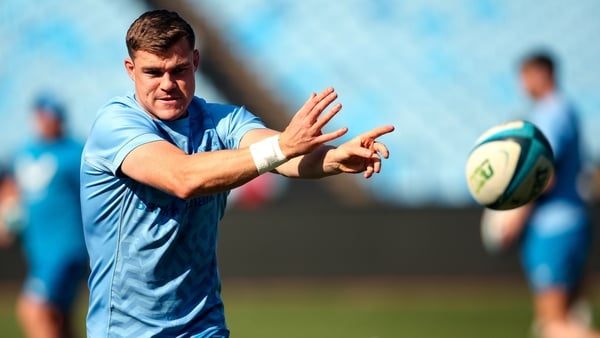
<point x="441" y="71"/>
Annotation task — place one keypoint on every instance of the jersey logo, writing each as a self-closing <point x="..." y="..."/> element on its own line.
<point x="34" y="175"/>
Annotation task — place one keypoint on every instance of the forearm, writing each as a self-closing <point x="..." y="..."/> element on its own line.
<point x="313" y="165"/>
<point x="520" y="216"/>
<point x="209" y="173"/>
<point x="162" y="166"/>
<point x="316" y="164"/>
<point x="219" y="171"/>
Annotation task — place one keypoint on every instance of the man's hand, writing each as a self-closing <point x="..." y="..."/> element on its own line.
<point x="361" y="154"/>
<point x="304" y="145"/>
<point x="501" y="229"/>
<point x="514" y="223"/>
<point x="303" y="134"/>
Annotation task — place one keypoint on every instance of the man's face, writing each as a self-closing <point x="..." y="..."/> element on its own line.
<point x="535" y="81"/>
<point x="47" y="125"/>
<point x="164" y="84"/>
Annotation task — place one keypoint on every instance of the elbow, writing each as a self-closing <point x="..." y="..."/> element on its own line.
<point x="183" y="192"/>
<point x="185" y="187"/>
<point x="186" y="190"/>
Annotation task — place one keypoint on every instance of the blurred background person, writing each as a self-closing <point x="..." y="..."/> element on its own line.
<point x="554" y="232"/>
<point x="45" y="184"/>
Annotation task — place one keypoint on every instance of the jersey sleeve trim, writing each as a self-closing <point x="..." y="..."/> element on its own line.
<point x="130" y="146"/>
<point x="241" y="122"/>
<point x="113" y="166"/>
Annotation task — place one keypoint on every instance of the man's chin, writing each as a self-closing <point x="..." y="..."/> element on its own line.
<point x="167" y="114"/>
<point x="174" y="116"/>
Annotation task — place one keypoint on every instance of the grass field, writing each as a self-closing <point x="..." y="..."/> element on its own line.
<point x="359" y="309"/>
<point x="384" y="309"/>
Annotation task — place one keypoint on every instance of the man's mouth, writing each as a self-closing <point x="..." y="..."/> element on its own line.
<point x="169" y="99"/>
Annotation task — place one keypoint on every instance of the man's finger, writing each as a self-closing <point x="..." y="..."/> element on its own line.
<point x="377" y="165"/>
<point x="308" y="105"/>
<point x="317" y="98"/>
<point x="324" y="138"/>
<point x="321" y="104"/>
<point x="313" y="100"/>
<point x="324" y="93"/>
<point x="327" y="117"/>
<point x="378" y="132"/>
<point x="358" y="151"/>
<point x="369" y="171"/>
<point x="382" y="149"/>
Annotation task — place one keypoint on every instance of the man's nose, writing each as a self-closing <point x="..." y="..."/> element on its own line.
<point x="167" y="82"/>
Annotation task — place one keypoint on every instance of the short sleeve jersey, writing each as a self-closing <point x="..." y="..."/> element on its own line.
<point x="47" y="173"/>
<point x="561" y="208"/>
<point x="153" y="255"/>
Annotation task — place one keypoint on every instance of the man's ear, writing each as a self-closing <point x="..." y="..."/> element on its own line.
<point x="129" y="66"/>
<point x="196" y="59"/>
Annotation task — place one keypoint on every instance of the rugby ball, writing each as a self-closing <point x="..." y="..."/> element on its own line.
<point x="510" y="166"/>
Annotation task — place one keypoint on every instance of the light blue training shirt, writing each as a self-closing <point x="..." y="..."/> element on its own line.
<point x="47" y="174"/>
<point x="153" y="255"/>
<point x="560" y="209"/>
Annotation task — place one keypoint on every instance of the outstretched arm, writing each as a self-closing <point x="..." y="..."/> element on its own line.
<point x="163" y="166"/>
<point x="361" y="154"/>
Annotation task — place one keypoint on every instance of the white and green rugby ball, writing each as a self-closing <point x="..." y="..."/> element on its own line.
<point x="510" y="166"/>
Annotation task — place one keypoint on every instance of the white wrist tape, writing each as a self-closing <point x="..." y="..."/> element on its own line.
<point x="267" y="154"/>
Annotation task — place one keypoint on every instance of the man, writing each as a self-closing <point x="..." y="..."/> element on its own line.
<point x="46" y="178"/>
<point x="555" y="230"/>
<point x="156" y="171"/>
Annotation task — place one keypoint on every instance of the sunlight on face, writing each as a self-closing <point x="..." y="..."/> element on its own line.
<point x="165" y="83"/>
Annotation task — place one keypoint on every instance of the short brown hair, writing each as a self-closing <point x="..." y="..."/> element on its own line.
<point x="157" y="31"/>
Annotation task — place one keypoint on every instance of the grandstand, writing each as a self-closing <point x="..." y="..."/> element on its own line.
<point x="440" y="71"/>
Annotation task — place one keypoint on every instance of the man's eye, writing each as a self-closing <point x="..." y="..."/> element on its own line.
<point x="178" y="70"/>
<point x="152" y="72"/>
